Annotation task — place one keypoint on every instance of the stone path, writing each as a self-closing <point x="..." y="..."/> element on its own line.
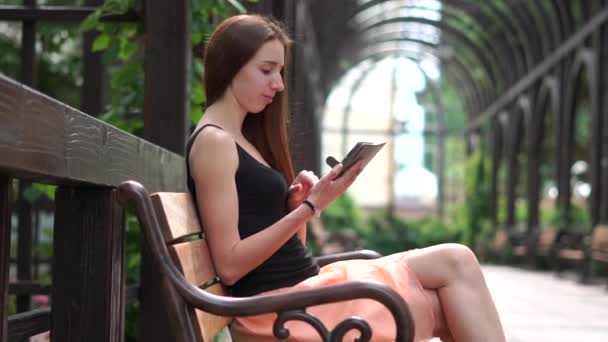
<point x="535" y="306"/>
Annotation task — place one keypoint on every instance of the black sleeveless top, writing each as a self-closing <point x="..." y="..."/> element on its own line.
<point x="262" y="198"/>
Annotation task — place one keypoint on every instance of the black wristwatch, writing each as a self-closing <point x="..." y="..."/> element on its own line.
<point x="312" y="207"/>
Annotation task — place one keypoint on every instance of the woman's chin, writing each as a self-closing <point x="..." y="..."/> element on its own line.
<point x="257" y="110"/>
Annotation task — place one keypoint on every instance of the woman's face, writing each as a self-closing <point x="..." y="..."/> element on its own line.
<point x="258" y="81"/>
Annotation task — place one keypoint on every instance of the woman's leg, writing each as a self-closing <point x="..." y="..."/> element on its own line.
<point x="453" y="272"/>
<point x="441" y="327"/>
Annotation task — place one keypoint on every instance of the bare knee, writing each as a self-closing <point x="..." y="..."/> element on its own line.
<point x="460" y="259"/>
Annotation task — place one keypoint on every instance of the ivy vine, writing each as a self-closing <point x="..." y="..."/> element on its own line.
<point x="123" y="48"/>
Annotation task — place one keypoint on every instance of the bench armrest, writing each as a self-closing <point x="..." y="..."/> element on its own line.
<point x="362" y="254"/>
<point x="289" y="306"/>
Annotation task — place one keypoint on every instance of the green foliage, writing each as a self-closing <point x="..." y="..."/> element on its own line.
<point x="123" y="53"/>
<point x="386" y="234"/>
<point x="389" y="235"/>
<point x="343" y="213"/>
<point x="57" y="63"/>
<point x="36" y="191"/>
<point x="477" y="196"/>
<point x="579" y="216"/>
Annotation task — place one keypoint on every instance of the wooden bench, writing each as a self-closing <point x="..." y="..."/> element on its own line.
<point x="197" y="301"/>
<point x="583" y="251"/>
<point x="494" y="250"/>
<point x="541" y="244"/>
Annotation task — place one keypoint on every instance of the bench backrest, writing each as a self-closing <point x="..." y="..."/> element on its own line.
<point x="500" y="239"/>
<point x="547" y="237"/>
<point x="186" y="243"/>
<point x="599" y="238"/>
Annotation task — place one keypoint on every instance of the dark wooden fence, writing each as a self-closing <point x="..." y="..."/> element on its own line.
<point x="45" y="141"/>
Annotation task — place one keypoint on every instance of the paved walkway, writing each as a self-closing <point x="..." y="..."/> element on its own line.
<point x="535" y="306"/>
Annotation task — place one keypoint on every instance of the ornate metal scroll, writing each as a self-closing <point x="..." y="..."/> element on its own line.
<point x="281" y="332"/>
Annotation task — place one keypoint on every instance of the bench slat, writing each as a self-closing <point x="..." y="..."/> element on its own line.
<point x="599" y="239"/>
<point x="194" y="260"/>
<point x="210" y="325"/>
<point x="178" y="219"/>
<point x="177" y="215"/>
<point x="572" y="254"/>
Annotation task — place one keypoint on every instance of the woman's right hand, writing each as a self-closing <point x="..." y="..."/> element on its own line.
<point x="329" y="187"/>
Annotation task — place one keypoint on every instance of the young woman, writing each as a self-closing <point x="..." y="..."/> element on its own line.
<point x="254" y="210"/>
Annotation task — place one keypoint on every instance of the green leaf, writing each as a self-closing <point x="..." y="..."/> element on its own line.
<point x="197" y="37"/>
<point x="239" y="7"/>
<point x="31" y="194"/>
<point x="46" y="189"/>
<point x="198" y="95"/>
<point x="196" y="113"/>
<point x="90" y="22"/>
<point x="101" y="42"/>
<point x="127" y="49"/>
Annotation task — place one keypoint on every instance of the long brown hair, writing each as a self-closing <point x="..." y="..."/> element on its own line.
<point x="233" y="43"/>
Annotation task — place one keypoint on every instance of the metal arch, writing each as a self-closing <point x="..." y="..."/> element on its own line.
<point x="441" y="118"/>
<point x="552" y="26"/>
<point x="413" y="56"/>
<point x="565" y="16"/>
<point x="468" y="85"/>
<point x="347" y="110"/>
<point x="524" y="102"/>
<point x="548" y="94"/>
<point x="523" y="18"/>
<point x="478" y="94"/>
<point x="456" y="59"/>
<point x="587" y="59"/>
<point x="554" y="60"/>
<point x="455" y="15"/>
<point x="543" y="24"/>
<point x="493" y="74"/>
<point x="522" y="109"/>
<point x="508" y="44"/>
<point x="508" y="19"/>
<point x="497" y="156"/>
<point x="512" y="46"/>
<point x="580" y="20"/>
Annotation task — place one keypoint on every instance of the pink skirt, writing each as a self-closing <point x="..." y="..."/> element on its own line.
<point x="390" y="270"/>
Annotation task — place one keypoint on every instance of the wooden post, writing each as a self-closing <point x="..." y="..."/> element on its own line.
<point x="5" y="246"/>
<point x="92" y="96"/>
<point x="166" y="123"/>
<point x="27" y="75"/>
<point x="24" y="244"/>
<point x="603" y="50"/>
<point x="88" y="278"/>
<point x="167" y="73"/>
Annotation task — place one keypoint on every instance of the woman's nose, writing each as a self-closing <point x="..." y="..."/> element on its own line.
<point x="277" y="84"/>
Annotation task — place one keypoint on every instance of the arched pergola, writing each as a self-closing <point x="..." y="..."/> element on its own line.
<point x="519" y="58"/>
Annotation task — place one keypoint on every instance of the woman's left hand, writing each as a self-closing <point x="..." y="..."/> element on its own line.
<point x="300" y="188"/>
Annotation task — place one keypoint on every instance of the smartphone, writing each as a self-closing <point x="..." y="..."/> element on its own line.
<point x="361" y="151"/>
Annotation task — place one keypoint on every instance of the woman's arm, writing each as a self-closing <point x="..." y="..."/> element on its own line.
<point x="213" y="170"/>
<point x="298" y="192"/>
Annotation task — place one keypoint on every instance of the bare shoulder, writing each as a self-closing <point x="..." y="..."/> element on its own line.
<point x="213" y="150"/>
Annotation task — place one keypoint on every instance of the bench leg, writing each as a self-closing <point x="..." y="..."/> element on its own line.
<point x="585" y="267"/>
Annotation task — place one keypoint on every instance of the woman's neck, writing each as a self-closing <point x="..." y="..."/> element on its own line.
<point x="226" y="113"/>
